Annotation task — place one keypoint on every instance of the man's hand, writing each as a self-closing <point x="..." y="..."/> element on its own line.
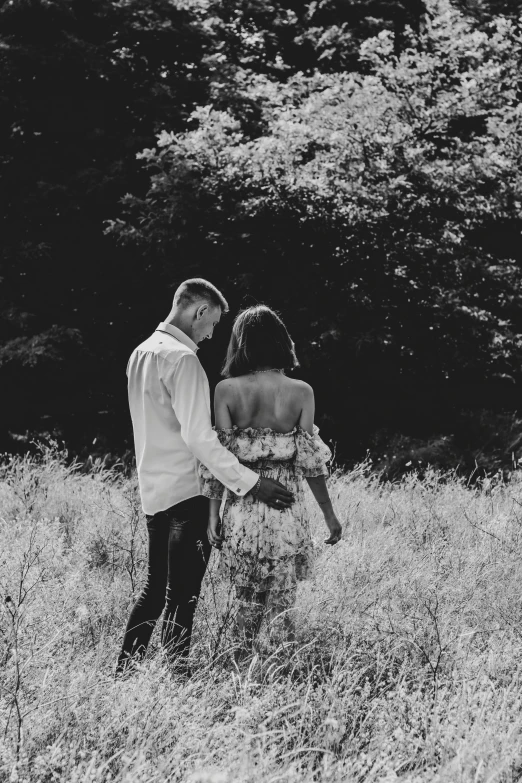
<point x="274" y="494"/>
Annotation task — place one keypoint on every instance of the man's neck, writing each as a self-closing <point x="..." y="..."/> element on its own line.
<point x="176" y="319"/>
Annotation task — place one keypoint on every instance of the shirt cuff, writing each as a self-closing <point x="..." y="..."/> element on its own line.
<point x="247" y="482"/>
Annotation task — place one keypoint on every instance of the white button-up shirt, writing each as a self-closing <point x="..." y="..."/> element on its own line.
<point x="169" y="399"/>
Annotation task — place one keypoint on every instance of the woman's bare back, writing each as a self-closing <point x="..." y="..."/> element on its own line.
<point x="263" y="399"/>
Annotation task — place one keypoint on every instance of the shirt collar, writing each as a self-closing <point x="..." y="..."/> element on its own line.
<point x="178" y="334"/>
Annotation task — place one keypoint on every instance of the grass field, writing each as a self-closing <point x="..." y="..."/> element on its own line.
<point x="407" y="664"/>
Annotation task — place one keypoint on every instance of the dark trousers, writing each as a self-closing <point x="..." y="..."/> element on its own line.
<point x="178" y="554"/>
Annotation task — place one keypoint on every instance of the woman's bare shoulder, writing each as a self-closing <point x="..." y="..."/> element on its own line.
<point x="301" y="388"/>
<point x="226" y="387"/>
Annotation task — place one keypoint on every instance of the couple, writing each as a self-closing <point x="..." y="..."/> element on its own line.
<point x="263" y="445"/>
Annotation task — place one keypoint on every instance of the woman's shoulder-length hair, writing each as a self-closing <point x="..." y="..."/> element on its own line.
<point x="259" y="339"/>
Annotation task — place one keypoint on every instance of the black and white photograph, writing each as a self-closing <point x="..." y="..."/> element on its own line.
<point x="261" y="391"/>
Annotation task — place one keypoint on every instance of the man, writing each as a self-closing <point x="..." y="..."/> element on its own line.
<point x="169" y="401"/>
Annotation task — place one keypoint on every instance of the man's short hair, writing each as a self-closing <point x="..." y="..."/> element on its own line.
<point x="195" y="290"/>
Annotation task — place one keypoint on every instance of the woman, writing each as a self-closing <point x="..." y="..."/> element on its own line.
<point x="267" y="420"/>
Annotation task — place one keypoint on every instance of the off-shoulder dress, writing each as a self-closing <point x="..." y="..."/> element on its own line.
<point x="266" y="549"/>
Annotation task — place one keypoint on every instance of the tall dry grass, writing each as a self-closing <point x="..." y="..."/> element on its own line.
<point x="406" y="667"/>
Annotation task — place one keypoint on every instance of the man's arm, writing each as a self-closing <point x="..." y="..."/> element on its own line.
<point x="188" y="389"/>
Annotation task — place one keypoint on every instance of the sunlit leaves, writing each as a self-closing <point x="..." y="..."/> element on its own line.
<point x="389" y="177"/>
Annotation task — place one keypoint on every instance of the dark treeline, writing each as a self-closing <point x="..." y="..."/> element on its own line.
<point x="356" y="165"/>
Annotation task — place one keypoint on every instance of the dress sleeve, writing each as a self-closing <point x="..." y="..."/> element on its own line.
<point x="211" y="487"/>
<point x="312" y="454"/>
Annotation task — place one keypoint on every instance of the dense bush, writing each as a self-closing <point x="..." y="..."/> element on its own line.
<point x="354" y="164"/>
<point x="380" y="211"/>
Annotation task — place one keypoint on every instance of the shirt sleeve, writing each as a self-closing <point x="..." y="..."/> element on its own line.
<point x="188" y="388"/>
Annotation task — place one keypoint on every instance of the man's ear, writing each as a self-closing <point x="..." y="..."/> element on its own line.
<point x="202" y="309"/>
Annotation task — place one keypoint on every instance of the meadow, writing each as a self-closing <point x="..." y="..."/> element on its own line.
<point x="406" y="665"/>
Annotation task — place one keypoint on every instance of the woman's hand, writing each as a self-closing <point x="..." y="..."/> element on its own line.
<point x="213" y="531"/>
<point x="335" y="528"/>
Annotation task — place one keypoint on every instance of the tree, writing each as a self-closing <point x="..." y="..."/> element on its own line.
<point x="367" y="186"/>
<point x="377" y="210"/>
<point x="84" y="86"/>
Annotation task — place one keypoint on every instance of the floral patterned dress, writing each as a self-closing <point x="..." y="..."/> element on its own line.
<point x="266" y="549"/>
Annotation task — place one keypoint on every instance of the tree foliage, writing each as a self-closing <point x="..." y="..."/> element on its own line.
<point x="379" y="210"/>
<point x="354" y="164"/>
<point x="84" y="86"/>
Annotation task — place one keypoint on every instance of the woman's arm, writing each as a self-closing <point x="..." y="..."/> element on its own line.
<point x="222" y="396"/>
<point x="318" y="483"/>
<point x="214" y="522"/>
<point x="320" y="492"/>
<point x="306" y="420"/>
<point x="223" y="420"/>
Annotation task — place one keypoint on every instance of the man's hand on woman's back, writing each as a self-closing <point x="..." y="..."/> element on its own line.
<point x="274" y="494"/>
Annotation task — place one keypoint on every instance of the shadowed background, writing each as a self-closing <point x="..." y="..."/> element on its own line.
<point x="355" y="165"/>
